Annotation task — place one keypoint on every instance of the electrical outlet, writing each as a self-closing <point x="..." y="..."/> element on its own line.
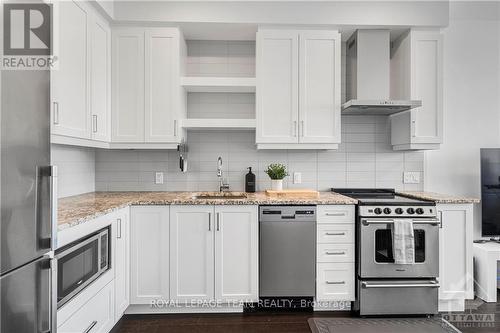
<point x="411" y="177"/>
<point x="158" y="177"/>
<point x="297" y="177"/>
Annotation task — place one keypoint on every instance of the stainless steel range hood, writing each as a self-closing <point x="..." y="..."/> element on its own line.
<point x="368" y="73"/>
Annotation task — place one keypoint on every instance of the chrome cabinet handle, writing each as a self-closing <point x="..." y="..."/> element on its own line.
<point x="175" y="127"/>
<point x="55" y="111"/>
<point x="335" y="282"/>
<point x="440" y="219"/>
<point x="119" y="233"/>
<point x="413" y="128"/>
<point x="209" y="221"/>
<point x="94" y="123"/>
<point x="302" y="128"/>
<point x="335" y="253"/>
<point x="218" y="219"/>
<point x="91" y="326"/>
<point x="335" y="233"/>
<point x="335" y="214"/>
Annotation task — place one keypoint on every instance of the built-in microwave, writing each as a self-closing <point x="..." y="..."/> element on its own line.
<point x="80" y="263"/>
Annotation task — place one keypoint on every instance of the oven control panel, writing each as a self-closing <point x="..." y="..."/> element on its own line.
<point x="397" y="211"/>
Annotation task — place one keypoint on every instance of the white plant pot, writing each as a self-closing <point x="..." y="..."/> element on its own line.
<point x="277" y="184"/>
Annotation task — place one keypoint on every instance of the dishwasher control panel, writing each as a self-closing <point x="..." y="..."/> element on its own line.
<point x="287" y="213"/>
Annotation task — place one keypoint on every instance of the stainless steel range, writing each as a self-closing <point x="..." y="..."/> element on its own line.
<point x="385" y="287"/>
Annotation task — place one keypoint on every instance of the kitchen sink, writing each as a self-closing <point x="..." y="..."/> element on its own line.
<point x="220" y="195"/>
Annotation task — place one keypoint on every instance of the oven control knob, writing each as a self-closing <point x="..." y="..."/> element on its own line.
<point x="420" y="211"/>
<point x="387" y="210"/>
<point x="399" y="210"/>
<point x="410" y="211"/>
<point x="378" y="211"/>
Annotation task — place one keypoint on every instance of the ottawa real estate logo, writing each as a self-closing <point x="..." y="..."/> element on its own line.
<point x="27" y="36"/>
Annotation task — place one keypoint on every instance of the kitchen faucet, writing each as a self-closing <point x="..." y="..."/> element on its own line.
<point x="222" y="186"/>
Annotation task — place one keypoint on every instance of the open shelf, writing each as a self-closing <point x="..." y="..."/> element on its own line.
<point x="213" y="123"/>
<point x="218" y="84"/>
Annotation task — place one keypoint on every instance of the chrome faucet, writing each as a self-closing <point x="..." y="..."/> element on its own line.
<point x="222" y="186"/>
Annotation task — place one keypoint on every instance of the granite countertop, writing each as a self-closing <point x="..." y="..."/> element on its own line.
<point x="81" y="208"/>
<point x="438" y="197"/>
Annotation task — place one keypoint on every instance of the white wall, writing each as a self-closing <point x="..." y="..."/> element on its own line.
<point x="471" y="104"/>
<point x="76" y="167"/>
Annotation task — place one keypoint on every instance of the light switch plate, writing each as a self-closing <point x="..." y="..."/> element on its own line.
<point x="158" y="177"/>
<point x="297" y="177"/>
<point x="411" y="177"/>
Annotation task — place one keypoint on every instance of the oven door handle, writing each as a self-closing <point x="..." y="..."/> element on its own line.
<point x="388" y="221"/>
<point x="402" y="285"/>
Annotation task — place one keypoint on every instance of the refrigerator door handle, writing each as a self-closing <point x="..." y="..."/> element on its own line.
<point x="53" y="296"/>
<point x="49" y="264"/>
<point x="46" y="207"/>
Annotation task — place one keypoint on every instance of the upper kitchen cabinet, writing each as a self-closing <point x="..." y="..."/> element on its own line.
<point x="298" y="89"/>
<point x="69" y="81"/>
<point x="80" y="82"/>
<point x="417" y="73"/>
<point x="148" y="101"/>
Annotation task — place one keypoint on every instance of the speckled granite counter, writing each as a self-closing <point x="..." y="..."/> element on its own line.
<point x="439" y="198"/>
<point x="81" y="208"/>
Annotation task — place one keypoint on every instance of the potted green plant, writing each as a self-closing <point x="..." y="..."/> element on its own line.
<point x="276" y="171"/>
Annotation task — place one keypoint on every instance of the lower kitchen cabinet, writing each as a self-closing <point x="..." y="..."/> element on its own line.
<point x="455" y="256"/>
<point x="149" y="254"/>
<point x="121" y="262"/>
<point x="236" y="253"/>
<point x="96" y="315"/>
<point x="192" y="252"/>
<point x="335" y="281"/>
<point x="214" y="253"/>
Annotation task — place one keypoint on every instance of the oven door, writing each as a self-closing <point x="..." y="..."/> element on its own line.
<point x="77" y="267"/>
<point x="375" y="253"/>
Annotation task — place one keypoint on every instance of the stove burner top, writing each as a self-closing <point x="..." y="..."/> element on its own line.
<point x="380" y="196"/>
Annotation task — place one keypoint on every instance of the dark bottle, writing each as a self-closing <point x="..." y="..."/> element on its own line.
<point x="250" y="181"/>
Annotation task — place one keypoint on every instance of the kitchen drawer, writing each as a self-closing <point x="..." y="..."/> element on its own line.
<point x="335" y="282"/>
<point x="335" y="213"/>
<point x="95" y="316"/>
<point x="335" y="233"/>
<point x="335" y="253"/>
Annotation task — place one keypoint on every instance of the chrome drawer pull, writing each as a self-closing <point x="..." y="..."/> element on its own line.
<point x="91" y="326"/>
<point x="335" y="214"/>
<point x="335" y="253"/>
<point x="335" y="233"/>
<point x="335" y="282"/>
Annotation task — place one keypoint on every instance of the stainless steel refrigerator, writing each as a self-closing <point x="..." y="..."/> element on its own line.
<point x="28" y="299"/>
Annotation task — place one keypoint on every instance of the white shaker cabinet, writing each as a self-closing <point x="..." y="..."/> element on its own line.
<point x="236" y="253"/>
<point x="100" y="79"/>
<point x="148" y="101"/>
<point x="455" y="256"/>
<point x="192" y="252"/>
<point x="69" y="81"/>
<point x="417" y="74"/>
<point x="298" y="89"/>
<point x="149" y="254"/>
<point x="121" y="239"/>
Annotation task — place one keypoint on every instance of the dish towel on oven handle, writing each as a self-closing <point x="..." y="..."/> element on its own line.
<point x="403" y="242"/>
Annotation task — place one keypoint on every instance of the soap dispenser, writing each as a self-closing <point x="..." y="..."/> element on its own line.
<point x="250" y="181"/>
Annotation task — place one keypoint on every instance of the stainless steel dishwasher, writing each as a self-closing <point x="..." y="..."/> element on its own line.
<point x="287" y="251"/>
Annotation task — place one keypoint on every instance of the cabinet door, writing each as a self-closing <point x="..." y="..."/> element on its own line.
<point x="161" y="80"/>
<point x="100" y="76"/>
<point x="128" y="86"/>
<point x="427" y="85"/>
<point x="69" y="82"/>
<point x="455" y="253"/>
<point x="319" y="87"/>
<point x="122" y="263"/>
<point x="192" y="252"/>
<point x="236" y="253"/>
<point x="149" y="254"/>
<point x="277" y="86"/>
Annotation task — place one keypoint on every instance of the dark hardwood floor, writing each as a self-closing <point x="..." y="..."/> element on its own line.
<point x="479" y="317"/>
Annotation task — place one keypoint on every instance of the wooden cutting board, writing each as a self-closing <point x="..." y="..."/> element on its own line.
<point x="294" y="193"/>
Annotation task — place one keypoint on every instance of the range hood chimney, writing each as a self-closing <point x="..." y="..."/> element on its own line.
<point x="368" y="75"/>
